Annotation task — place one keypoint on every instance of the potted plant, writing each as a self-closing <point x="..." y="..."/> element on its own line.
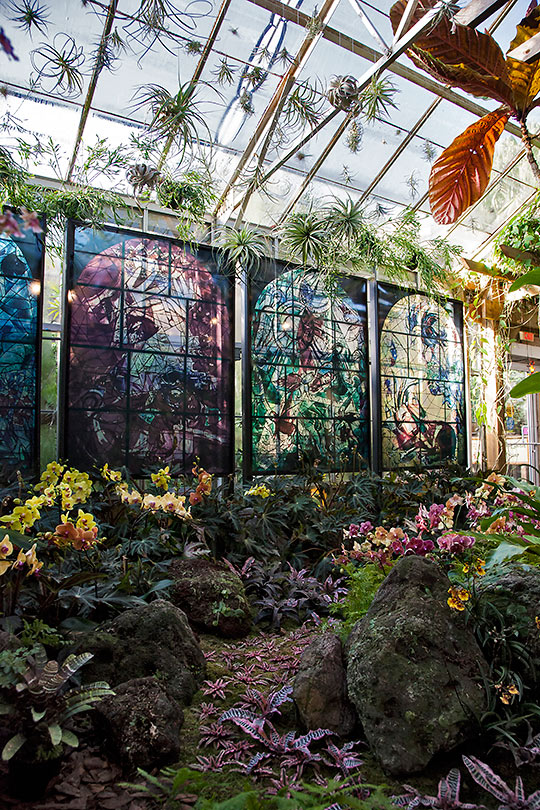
<point x="40" y="705"/>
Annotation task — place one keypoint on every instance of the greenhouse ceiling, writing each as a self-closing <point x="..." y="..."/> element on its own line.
<point x="80" y="73"/>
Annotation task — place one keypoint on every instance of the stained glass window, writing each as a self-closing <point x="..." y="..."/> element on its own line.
<point x="21" y="271"/>
<point x="149" y="373"/>
<point x="422" y="379"/>
<point x="309" y="389"/>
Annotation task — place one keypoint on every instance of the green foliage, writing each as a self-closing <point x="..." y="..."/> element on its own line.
<point x="246" y="247"/>
<point x="175" y="117"/>
<point x="166" y="791"/>
<point x="340" y="236"/>
<point x="378" y="98"/>
<point x="363" y="583"/>
<point x="38" y="632"/>
<point x="13" y="664"/>
<point x="40" y="705"/>
<point x="192" y="194"/>
<point x="530" y="385"/>
<point x="523" y="233"/>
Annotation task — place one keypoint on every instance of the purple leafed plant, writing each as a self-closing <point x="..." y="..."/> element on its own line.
<point x="447" y="797"/>
<point x="527" y="754"/>
<point x="263" y="705"/>
<point x="214" y="734"/>
<point x="207" y="710"/>
<point x="492" y="783"/>
<point x="212" y="763"/>
<point x="215" y="689"/>
<point x="343" y="758"/>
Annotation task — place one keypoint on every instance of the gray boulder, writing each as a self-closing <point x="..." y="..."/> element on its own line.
<point x="414" y="669"/>
<point x="141" y="724"/>
<point x="153" y="639"/>
<point x="212" y="597"/>
<point x="320" y="687"/>
<point x="516" y="595"/>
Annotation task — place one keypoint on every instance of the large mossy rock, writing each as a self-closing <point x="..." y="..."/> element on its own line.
<point x="153" y="639"/>
<point x="320" y="687"/>
<point x="141" y="724"/>
<point x="516" y="596"/>
<point x="414" y="669"/>
<point x="212" y="597"/>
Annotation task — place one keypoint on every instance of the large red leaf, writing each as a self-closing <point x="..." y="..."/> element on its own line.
<point x="460" y="175"/>
<point x="525" y="76"/>
<point x="478" y="64"/>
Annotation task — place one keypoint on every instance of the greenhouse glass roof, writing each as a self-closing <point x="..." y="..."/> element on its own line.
<point x="247" y="57"/>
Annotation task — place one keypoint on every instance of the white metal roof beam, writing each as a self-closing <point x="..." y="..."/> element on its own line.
<point x="368" y="25"/>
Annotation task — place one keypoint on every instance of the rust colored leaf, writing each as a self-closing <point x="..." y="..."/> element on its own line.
<point x="474" y="61"/>
<point x="525" y="76"/>
<point x="460" y="175"/>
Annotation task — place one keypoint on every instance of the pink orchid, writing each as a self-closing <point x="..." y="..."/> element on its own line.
<point x="31" y="221"/>
<point x="9" y="225"/>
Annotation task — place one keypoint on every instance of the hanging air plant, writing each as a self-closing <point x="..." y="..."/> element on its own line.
<point x="193" y="47"/>
<point x="30" y="15"/>
<point x="303" y="106"/>
<point x="246" y="102"/>
<point x="58" y="66"/>
<point x="141" y="176"/>
<point x="224" y="73"/>
<point x="174" y="118"/>
<point x="343" y="92"/>
<point x="353" y="138"/>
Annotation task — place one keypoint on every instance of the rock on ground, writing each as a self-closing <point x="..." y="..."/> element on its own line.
<point x="212" y="596"/>
<point x="320" y="687"/>
<point x="414" y="669"/>
<point x="141" y="723"/>
<point x="516" y="595"/>
<point x="153" y="639"/>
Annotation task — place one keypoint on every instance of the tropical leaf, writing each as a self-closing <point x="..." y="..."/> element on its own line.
<point x="525" y="76"/>
<point x="463" y="77"/>
<point x="477" y="55"/>
<point x="488" y="779"/>
<point x="12" y="746"/>
<point x="276" y="699"/>
<point x="448" y="792"/>
<point x="37" y="716"/>
<point x="532" y="277"/>
<point x="55" y="733"/>
<point x="69" y="738"/>
<point x="460" y="175"/>
<point x="534" y="800"/>
<point x="530" y="385"/>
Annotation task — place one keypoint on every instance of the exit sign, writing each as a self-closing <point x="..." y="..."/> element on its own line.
<point x="526" y="337"/>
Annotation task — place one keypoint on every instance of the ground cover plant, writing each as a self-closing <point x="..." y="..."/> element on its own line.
<point x="311" y="552"/>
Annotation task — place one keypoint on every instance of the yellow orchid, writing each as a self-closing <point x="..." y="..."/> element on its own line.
<point x="6" y="548"/>
<point x="32" y="561"/>
<point x="111" y="475"/>
<point x="162" y="478"/>
<point x="85" y="520"/>
<point x="20" y="562"/>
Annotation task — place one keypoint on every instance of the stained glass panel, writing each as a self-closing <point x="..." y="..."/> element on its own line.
<point x="21" y="272"/>
<point x="422" y="379"/>
<point x="149" y="334"/>
<point x="309" y="384"/>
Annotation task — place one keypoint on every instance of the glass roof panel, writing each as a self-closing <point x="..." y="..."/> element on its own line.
<point x="252" y="51"/>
